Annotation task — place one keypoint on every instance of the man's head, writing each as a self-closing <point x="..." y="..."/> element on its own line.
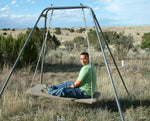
<point x="84" y="58"/>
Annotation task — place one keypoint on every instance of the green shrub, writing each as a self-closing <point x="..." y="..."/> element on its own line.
<point x="5" y="33"/>
<point x="79" y="40"/>
<point x="57" y="31"/>
<point x="10" y="49"/>
<point x="6" y="49"/>
<point x="71" y="30"/>
<point x="69" y="45"/>
<point x="93" y="39"/>
<point x="52" y="43"/>
<point x="5" y="29"/>
<point x="13" y="29"/>
<point x="81" y="30"/>
<point x="37" y="36"/>
<point x="30" y="53"/>
<point x="122" y="43"/>
<point x="146" y="41"/>
<point x="1" y="51"/>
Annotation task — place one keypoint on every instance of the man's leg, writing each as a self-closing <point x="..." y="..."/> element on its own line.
<point x="65" y="84"/>
<point x="58" y="89"/>
<point x="74" y="93"/>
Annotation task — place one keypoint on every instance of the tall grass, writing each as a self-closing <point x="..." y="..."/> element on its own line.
<point x="16" y="105"/>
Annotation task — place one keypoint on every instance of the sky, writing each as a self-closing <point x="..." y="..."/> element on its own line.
<point x="20" y="14"/>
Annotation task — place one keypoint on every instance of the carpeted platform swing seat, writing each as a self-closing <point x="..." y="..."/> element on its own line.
<point x="36" y="91"/>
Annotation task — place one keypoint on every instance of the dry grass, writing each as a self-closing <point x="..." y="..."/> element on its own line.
<point x="15" y="105"/>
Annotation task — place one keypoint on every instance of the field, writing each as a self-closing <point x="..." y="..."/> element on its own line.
<point x="16" y="105"/>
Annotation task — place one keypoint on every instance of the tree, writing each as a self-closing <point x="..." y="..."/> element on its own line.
<point x="93" y="39"/>
<point x="10" y="47"/>
<point x="30" y="53"/>
<point x="69" y="45"/>
<point x="1" y="51"/>
<point x="6" y="49"/>
<point x="122" y="44"/>
<point x="81" y="30"/>
<point x="52" y="42"/>
<point x="71" y="30"/>
<point x="79" y="40"/>
<point x="146" y="41"/>
<point x="57" y="31"/>
<point x="37" y="37"/>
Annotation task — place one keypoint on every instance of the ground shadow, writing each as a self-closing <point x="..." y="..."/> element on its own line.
<point x="47" y="67"/>
<point x="60" y="67"/>
<point x="112" y="106"/>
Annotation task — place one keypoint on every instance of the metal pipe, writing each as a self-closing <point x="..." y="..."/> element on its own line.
<point x="45" y="22"/>
<point x="1" y="92"/>
<point x="112" y="56"/>
<point x="107" y="66"/>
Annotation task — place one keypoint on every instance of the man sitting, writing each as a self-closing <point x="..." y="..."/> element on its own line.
<point x="83" y="87"/>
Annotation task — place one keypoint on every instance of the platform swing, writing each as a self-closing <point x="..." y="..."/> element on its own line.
<point x="36" y="90"/>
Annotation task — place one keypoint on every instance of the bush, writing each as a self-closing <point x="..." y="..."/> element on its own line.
<point x="57" y="31"/>
<point x="93" y="39"/>
<point x="122" y="43"/>
<point x="37" y="36"/>
<point x="81" y="30"/>
<point x="5" y="29"/>
<point x="52" y="42"/>
<point x="69" y="45"/>
<point x="30" y="53"/>
<point x="146" y="41"/>
<point x="10" y="49"/>
<point x="71" y="30"/>
<point x="13" y="29"/>
<point x="79" y="40"/>
<point x="5" y="33"/>
<point x="6" y="49"/>
<point x="1" y="52"/>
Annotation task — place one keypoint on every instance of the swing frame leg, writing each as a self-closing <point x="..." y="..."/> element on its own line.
<point x="107" y="66"/>
<point x="112" y="58"/>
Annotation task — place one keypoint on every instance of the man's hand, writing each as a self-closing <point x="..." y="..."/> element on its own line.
<point x="71" y="86"/>
<point x="75" y="84"/>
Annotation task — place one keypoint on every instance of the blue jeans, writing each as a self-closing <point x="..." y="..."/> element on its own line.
<point x="63" y="90"/>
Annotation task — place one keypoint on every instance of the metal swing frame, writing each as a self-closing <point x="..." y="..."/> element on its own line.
<point x="97" y="28"/>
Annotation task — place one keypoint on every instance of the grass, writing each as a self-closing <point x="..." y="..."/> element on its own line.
<point x="16" y="105"/>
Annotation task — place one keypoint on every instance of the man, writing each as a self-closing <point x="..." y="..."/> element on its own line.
<point x="85" y="84"/>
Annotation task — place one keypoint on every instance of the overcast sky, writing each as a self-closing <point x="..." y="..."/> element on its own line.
<point x="24" y="13"/>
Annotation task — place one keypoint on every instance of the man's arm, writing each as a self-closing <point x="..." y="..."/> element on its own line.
<point x="76" y="84"/>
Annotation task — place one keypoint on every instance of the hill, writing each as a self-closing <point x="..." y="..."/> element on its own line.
<point x="136" y="31"/>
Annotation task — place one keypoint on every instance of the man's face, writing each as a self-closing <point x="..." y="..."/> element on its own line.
<point x="84" y="59"/>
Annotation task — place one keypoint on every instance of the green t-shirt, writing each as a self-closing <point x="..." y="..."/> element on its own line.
<point x="86" y="75"/>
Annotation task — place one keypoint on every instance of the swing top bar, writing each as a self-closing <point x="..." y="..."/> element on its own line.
<point x="67" y="7"/>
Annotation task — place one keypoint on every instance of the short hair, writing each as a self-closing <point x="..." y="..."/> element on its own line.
<point x="85" y="53"/>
